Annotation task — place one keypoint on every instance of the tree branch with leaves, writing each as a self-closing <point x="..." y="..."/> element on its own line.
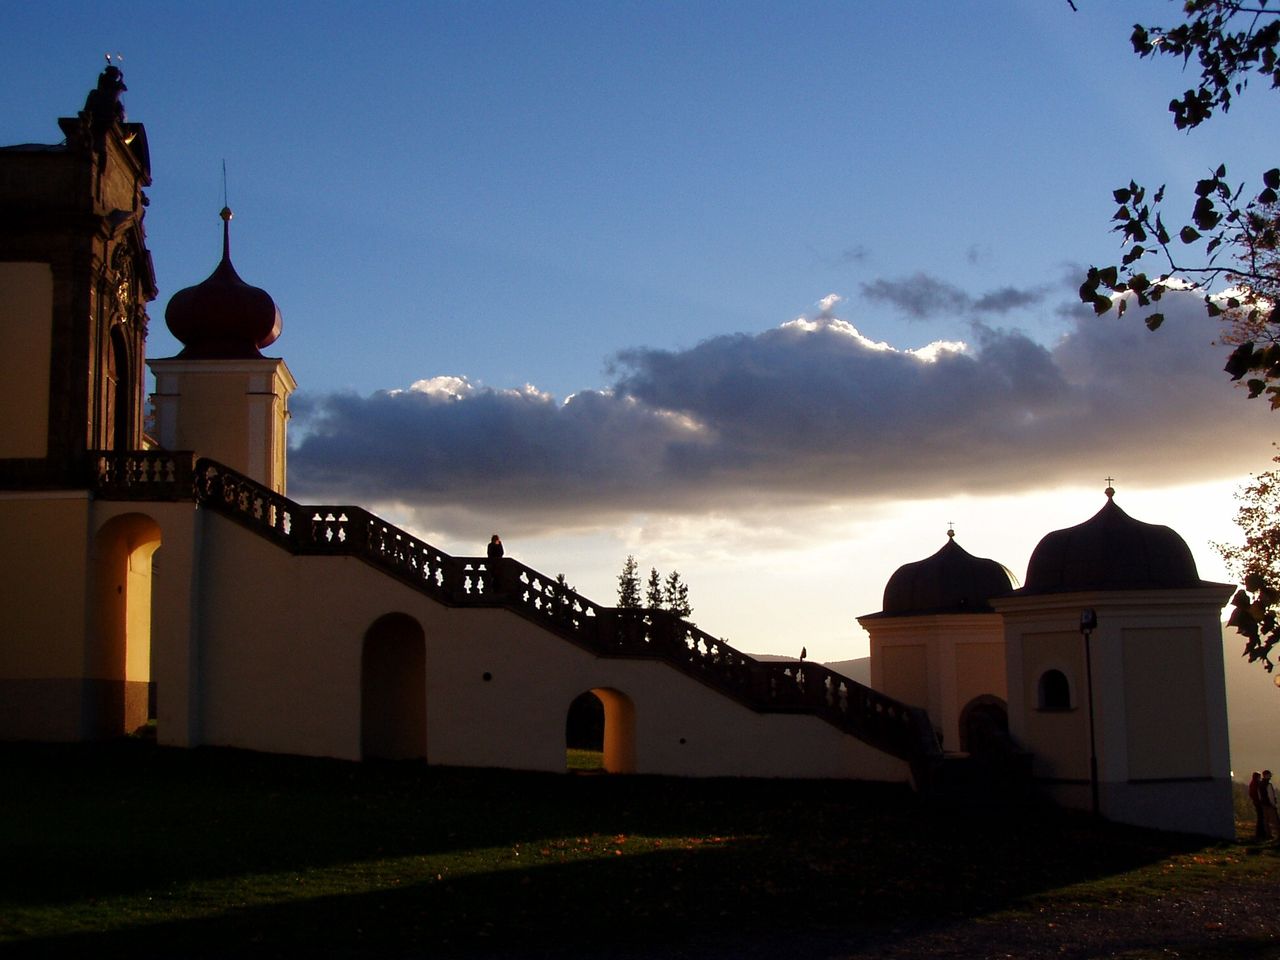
<point x="1227" y="249"/>
<point x="1256" y="565"/>
<point x="1228" y="252"/>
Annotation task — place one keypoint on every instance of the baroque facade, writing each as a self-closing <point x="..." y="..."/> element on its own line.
<point x="171" y="581"/>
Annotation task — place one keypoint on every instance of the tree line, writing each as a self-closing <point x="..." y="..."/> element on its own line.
<point x="669" y="593"/>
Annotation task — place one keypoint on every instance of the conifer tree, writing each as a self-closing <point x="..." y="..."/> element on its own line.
<point x="653" y="590"/>
<point x="629" y="585"/>
<point x="676" y="595"/>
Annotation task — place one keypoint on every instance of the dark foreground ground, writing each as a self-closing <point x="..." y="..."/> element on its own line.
<point x="129" y="850"/>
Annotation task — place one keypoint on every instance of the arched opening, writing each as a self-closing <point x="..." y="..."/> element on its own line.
<point x="584" y="734"/>
<point x="600" y="732"/>
<point x="118" y="689"/>
<point x="984" y="726"/>
<point x="1053" y="692"/>
<point x="393" y="689"/>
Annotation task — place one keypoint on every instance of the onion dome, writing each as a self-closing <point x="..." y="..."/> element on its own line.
<point x="951" y="581"/>
<point x="1111" y="551"/>
<point x="223" y="318"/>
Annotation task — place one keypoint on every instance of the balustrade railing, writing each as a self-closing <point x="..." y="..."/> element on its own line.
<point x="902" y="731"/>
<point x="776" y="686"/>
<point x="550" y="602"/>
<point x="143" y="474"/>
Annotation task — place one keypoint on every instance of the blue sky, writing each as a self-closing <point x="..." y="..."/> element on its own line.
<point x="510" y="204"/>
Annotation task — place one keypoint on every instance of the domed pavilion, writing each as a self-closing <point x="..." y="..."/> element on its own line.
<point x="1114" y="649"/>
<point x="938" y="643"/>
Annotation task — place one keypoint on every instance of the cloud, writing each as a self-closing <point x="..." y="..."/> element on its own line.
<point x="807" y="413"/>
<point x="855" y="254"/>
<point x="921" y="296"/>
<point x="1006" y="299"/>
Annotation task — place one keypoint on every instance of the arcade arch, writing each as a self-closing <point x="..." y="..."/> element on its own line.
<point x="984" y="724"/>
<point x="118" y="653"/>
<point x="608" y="724"/>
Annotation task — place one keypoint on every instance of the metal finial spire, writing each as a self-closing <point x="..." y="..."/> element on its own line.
<point x="1110" y="491"/>
<point x="226" y="215"/>
<point x="951" y="529"/>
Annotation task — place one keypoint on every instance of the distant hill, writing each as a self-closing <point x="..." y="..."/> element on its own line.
<point x="857" y="670"/>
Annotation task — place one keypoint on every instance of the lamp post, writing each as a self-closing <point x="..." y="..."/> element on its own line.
<point x="1089" y="623"/>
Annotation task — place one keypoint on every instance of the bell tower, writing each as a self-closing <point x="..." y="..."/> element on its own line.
<point x="220" y="396"/>
<point x="75" y="278"/>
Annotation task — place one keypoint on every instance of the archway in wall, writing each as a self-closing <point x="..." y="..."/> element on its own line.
<point x="393" y="689"/>
<point x="584" y="734"/>
<point x="984" y="726"/>
<point x="118" y="688"/>
<point x="600" y="732"/>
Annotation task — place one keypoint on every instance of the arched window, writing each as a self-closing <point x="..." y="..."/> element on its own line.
<point x="120" y="405"/>
<point x="1054" y="691"/>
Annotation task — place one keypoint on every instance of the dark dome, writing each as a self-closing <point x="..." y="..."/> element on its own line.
<point x="1111" y="551"/>
<point x="223" y="318"/>
<point x="951" y="581"/>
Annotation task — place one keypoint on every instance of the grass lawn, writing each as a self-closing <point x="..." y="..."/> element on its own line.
<point x="127" y="849"/>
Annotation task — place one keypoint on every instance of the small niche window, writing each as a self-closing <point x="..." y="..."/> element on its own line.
<point x="1054" y="691"/>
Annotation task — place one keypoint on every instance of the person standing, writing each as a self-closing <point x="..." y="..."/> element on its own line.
<point x="1269" y="812"/>
<point x="1255" y="797"/>
<point x="495" y="553"/>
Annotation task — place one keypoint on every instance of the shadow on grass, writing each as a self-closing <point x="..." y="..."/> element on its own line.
<point x="747" y="862"/>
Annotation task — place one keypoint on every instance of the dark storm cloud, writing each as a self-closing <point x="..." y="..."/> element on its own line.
<point x="921" y="296"/>
<point x="808" y="412"/>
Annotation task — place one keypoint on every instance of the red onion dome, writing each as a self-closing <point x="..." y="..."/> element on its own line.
<point x="223" y="318"/>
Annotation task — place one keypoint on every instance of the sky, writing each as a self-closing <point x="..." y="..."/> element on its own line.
<point x="769" y="294"/>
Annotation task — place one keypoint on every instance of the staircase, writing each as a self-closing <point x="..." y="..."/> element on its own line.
<point x="766" y="687"/>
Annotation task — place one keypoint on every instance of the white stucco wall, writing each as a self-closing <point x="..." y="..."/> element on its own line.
<point x="280" y="641"/>
<point x="1159" y="697"/>
<point x="940" y="662"/>
<point x="79" y="619"/>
